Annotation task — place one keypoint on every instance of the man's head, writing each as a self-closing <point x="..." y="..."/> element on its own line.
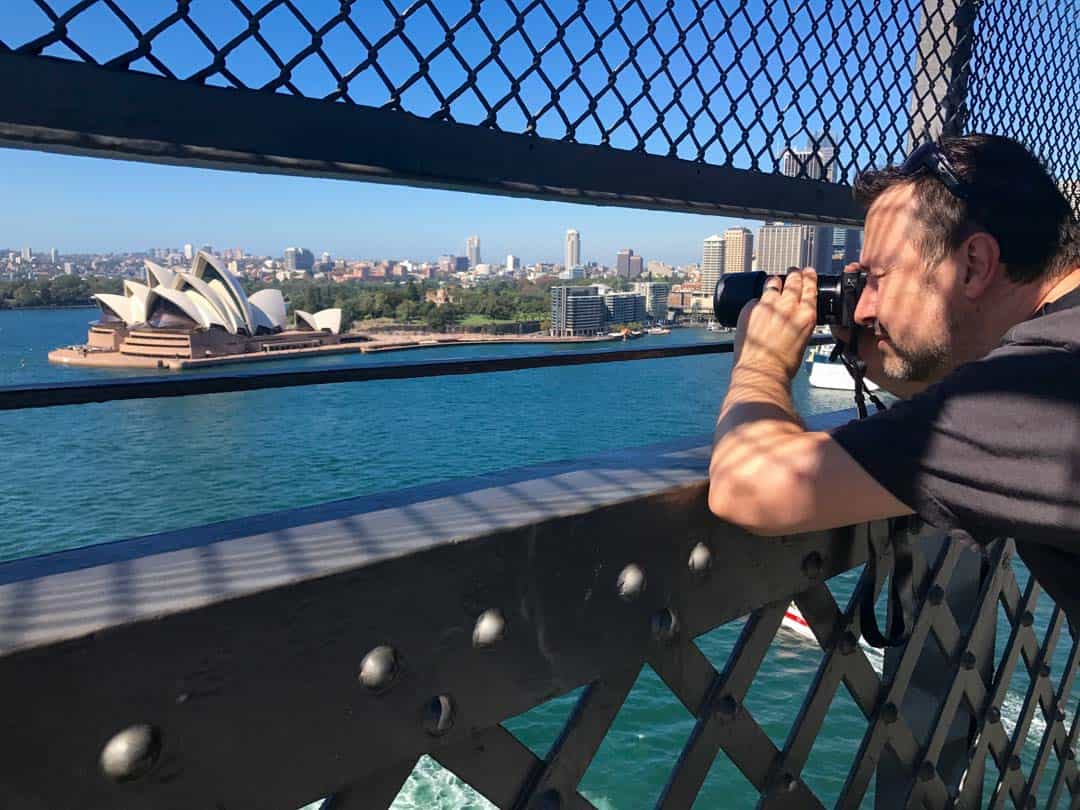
<point x="949" y="266"/>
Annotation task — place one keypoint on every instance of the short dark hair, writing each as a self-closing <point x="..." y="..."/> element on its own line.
<point x="1012" y="197"/>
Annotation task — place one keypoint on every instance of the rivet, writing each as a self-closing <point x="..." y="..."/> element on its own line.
<point x="1026" y="618"/>
<point x="727" y="706"/>
<point x="927" y="771"/>
<point x="1044" y="670"/>
<point x="967" y="660"/>
<point x="1014" y="763"/>
<point x="812" y="565"/>
<point x="700" y="559"/>
<point x="1060" y="713"/>
<point x="1070" y="754"/>
<point x="889" y="712"/>
<point x="665" y="626"/>
<point x="936" y="595"/>
<point x="1006" y="562"/>
<point x="439" y="715"/>
<point x="993" y="715"/>
<point x="379" y="668"/>
<point x="631" y="583"/>
<point x="789" y="783"/>
<point x="846" y="644"/>
<point x="131" y="753"/>
<point x="490" y="628"/>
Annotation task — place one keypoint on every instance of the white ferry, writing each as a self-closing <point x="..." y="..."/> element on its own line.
<point x="832" y="375"/>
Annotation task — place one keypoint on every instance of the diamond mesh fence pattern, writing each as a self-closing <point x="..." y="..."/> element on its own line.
<point x="1026" y="763"/>
<point x="726" y="83"/>
<point x="1025" y="71"/>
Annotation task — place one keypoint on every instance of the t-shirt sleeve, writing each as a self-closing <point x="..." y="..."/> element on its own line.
<point x="993" y="449"/>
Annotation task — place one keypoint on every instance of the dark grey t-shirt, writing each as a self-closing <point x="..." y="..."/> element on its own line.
<point x="994" y="448"/>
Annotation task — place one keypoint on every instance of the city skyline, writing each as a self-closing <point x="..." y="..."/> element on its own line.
<point x="81" y="205"/>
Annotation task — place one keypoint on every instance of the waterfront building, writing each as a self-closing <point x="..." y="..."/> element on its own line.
<point x="656" y="298"/>
<point x="624" y="307"/>
<point x="573" y="249"/>
<point x="576" y="312"/>
<point x="738" y="250"/>
<point x="197" y="314"/>
<point x="472" y="250"/>
<point x="781" y="246"/>
<point x="712" y="262"/>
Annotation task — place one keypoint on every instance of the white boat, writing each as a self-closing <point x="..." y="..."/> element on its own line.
<point x="832" y="375"/>
<point x="713" y="326"/>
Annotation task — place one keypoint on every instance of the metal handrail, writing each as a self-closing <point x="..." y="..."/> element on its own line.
<point x="81" y="393"/>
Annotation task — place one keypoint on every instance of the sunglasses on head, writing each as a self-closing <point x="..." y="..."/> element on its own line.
<point x="929" y="157"/>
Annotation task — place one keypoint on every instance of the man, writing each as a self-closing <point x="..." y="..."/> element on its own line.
<point x="971" y="314"/>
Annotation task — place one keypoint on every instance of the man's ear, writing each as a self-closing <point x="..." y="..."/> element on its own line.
<point x="982" y="264"/>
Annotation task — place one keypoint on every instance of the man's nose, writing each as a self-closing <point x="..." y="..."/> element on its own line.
<point x="866" y="309"/>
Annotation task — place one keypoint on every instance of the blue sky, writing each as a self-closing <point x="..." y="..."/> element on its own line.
<point x="83" y="204"/>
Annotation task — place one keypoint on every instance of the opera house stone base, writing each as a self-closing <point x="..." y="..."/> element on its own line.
<point x="199" y="317"/>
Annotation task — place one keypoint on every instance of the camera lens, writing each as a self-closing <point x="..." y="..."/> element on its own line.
<point x="733" y="290"/>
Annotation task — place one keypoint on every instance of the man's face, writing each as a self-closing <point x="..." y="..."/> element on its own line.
<point x="909" y="307"/>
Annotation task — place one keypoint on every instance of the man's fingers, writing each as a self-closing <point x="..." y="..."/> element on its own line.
<point x="809" y="288"/>
<point x="793" y="285"/>
<point x="773" y="284"/>
<point x="852" y="267"/>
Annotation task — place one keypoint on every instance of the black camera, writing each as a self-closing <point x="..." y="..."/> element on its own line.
<point x="837" y="296"/>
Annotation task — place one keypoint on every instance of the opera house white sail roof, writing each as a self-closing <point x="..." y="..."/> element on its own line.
<point x="203" y="297"/>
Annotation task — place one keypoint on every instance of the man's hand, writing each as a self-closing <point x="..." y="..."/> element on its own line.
<point x="773" y="331"/>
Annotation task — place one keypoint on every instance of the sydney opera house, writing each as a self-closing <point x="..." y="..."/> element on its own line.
<point x="200" y="316"/>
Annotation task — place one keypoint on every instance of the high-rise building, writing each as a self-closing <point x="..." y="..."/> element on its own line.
<point x="576" y="311"/>
<point x="815" y="161"/>
<point x="298" y="259"/>
<point x="573" y="249"/>
<point x="635" y="266"/>
<point x="472" y="250"/>
<point x="189" y="252"/>
<point x="712" y="262"/>
<point x="54" y="256"/>
<point x="27" y="254"/>
<point x="738" y="250"/>
<point x="782" y="246"/>
<point x="622" y="262"/>
<point x="847" y="244"/>
<point x="513" y="263"/>
<point x="656" y="298"/>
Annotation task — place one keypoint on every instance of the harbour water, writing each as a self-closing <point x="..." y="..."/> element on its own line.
<point x="79" y="475"/>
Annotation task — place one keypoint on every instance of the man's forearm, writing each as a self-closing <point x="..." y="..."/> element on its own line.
<point x="756" y="395"/>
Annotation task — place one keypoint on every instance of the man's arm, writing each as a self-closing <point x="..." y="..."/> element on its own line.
<point x="768" y="473"/>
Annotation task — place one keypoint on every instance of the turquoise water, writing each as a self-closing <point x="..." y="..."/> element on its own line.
<point x="88" y="474"/>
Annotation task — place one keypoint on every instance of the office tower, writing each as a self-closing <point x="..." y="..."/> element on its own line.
<point x="189" y="252"/>
<point x="573" y="249"/>
<point x="54" y="256"/>
<point x="814" y="161"/>
<point x="712" y="262"/>
<point x="738" y="250"/>
<point x="634" y="266"/>
<point x="512" y="263"/>
<point x="622" y="262"/>
<point x="472" y="250"/>
<point x="782" y="246"/>
<point x="27" y="254"/>
<point x="299" y="259"/>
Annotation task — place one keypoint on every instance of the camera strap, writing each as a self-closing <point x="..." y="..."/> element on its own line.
<point x="901" y="584"/>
